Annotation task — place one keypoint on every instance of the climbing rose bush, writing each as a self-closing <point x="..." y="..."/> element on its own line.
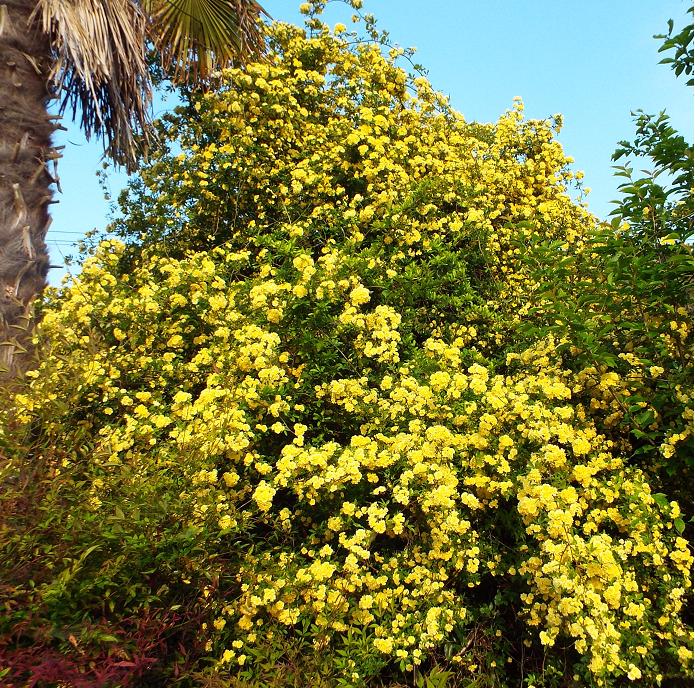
<point x="289" y="415"/>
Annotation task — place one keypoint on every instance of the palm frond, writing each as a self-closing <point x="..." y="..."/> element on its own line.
<point x="197" y="37"/>
<point x="100" y="68"/>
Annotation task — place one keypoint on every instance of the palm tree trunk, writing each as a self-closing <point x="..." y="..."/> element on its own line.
<point x="25" y="182"/>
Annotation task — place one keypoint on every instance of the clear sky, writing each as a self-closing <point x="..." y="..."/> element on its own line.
<point x="593" y="61"/>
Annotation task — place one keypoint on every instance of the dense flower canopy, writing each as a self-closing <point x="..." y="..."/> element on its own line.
<point x="299" y="380"/>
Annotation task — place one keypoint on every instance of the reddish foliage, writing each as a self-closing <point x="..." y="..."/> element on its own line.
<point x="143" y="645"/>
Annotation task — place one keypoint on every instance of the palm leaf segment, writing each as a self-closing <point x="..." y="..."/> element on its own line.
<point x="100" y="66"/>
<point x="197" y="37"/>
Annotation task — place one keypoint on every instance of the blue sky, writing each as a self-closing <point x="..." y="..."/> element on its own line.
<point x="593" y="61"/>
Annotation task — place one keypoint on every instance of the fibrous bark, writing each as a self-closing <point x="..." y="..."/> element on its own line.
<point x="25" y="181"/>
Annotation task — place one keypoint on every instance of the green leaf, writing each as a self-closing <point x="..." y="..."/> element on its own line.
<point x="644" y="418"/>
<point x="661" y="499"/>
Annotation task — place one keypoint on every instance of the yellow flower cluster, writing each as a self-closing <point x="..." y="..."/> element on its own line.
<point x="406" y="501"/>
<point x="377" y="332"/>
